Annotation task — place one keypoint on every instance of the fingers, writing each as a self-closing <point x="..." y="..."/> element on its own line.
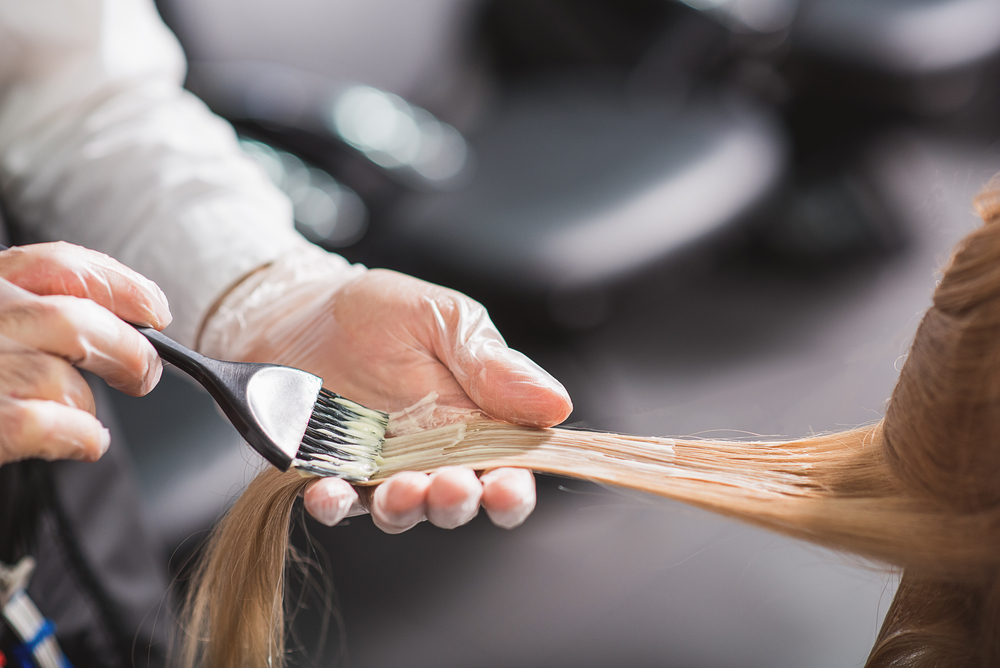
<point x="35" y="375"/>
<point x="508" y="496"/>
<point x="48" y="430"/>
<point x="329" y="500"/>
<point x="64" y="269"/>
<point x="503" y="382"/>
<point x="400" y="502"/>
<point x="450" y="497"/>
<point x="86" y="335"/>
<point x="453" y="497"/>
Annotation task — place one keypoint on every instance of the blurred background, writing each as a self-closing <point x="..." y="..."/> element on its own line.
<point x="705" y="217"/>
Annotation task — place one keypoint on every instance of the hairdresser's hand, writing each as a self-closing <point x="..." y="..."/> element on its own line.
<point x="387" y="341"/>
<point x="62" y="306"/>
<point x="405" y="339"/>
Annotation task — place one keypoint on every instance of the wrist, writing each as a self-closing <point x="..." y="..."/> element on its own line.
<point x="269" y="297"/>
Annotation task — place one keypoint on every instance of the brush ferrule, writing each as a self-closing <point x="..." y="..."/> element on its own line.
<point x="275" y="396"/>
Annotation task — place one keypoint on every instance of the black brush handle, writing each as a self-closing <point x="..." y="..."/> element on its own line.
<point x="201" y="368"/>
<point x="227" y="382"/>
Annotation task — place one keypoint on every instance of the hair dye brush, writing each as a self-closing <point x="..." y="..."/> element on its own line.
<point x="286" y="414"/>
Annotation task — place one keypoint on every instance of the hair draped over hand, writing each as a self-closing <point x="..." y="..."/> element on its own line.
<point x="921" y="490"/>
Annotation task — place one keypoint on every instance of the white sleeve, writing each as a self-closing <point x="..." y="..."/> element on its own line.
<point x="100" y="146"/>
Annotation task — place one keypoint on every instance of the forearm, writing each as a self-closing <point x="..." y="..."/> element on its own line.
<point x="100" y="146"/>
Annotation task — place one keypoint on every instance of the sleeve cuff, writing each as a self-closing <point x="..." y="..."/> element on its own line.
<point x="196" y="260"/>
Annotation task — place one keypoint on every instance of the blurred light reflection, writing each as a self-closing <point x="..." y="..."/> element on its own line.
<point x="327" y="212"/>
<point x="394" y="134"/>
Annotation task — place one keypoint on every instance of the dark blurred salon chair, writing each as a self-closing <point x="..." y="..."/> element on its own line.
<point x="575" y="188"/>
<point x="562" y="187"/>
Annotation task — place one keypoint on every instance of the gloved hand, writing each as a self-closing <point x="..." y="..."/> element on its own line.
<point x="387" y="341"/>
<point x="62" y="306"/>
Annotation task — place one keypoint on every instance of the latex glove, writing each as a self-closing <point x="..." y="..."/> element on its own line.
<point x="62" y="306"/>
<point x="387" y="341"/>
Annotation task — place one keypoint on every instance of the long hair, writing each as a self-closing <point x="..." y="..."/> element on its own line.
<point x="920" y="489"/>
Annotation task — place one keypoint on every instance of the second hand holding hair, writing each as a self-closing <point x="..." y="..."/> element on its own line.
<point x="387" y="341"/>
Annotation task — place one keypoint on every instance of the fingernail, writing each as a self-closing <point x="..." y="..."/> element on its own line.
<point x="162" y="311"/>
<point x="337" y="511"/>
<point x="160" y="306"/>
<point x="105" y="440"/>
<point x="456" y="516"/>
<point x="331" y="507"/>
<point x="153" y="374"/>
<point x="539" y="376"/>
<point x="520" y="488"/>
<point x="394" y="522"/>
<point x="512" y="517"/>
<point x="332" y="512"/>
<point x="464" y="492"/>
<point x="547" y="380"/>
<point x="401" y="521"/>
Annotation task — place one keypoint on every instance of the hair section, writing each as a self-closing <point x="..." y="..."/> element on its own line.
<point x="921" y="489"/>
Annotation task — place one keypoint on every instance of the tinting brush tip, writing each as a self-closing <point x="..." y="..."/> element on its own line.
<point x="343" y="439"/>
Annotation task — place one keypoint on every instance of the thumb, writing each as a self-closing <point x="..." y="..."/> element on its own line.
<point x="500" y="380"/>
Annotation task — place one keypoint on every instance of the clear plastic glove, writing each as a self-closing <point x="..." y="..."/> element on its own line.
<point x="388" y="341"/>
<point x="62" y="306"/>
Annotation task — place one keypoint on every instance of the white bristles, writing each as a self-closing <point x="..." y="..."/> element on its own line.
<point x="343" y="439"/>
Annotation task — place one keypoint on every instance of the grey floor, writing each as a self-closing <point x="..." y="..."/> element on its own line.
<point x="598" y="577"/>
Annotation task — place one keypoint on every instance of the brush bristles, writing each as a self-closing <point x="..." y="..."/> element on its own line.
<point x="343" y="439"/>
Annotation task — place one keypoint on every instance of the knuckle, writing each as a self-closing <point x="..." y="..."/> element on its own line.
<point x="21" y="370"/>
<point x="68" y="386"/>
<point x="41" y="268"/>
<point x="45" y="257"/>
<point x="36" y="375"/>
<point x="52" y="309"/>
<point x="67" y="317"/>
<point x="15" y="313"/>
<point x="21" y="425"/>
<point x="38" y="319"/>
<point x="61" y="255"/>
